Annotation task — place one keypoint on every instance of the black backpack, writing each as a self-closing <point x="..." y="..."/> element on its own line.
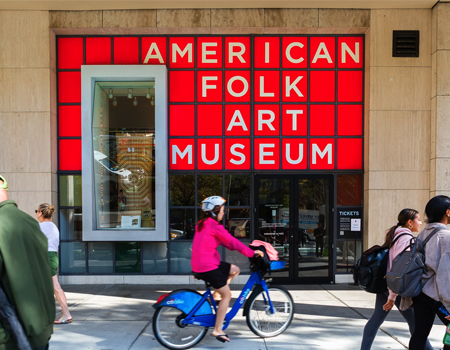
<point x="371" y="268"/>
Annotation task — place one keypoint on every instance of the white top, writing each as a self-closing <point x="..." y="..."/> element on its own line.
<point x="51" y="232"/>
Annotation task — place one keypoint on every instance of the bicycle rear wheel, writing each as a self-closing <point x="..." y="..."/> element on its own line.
<point x="170" y="331"/>
<point x="259" y="318"/>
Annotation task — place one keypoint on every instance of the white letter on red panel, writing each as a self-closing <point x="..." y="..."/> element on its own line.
<point x="346" y="49"/>
<point x="268" y="122"/>
<point x="216" y="154"/>
<point x="150" y="54"/>
<point x="205" y="85"/>
<point x="176" y="151"/>
<point x="237" y="115"/>
<point x="294" y="117"/>
<point x="288" y="52"/>
<point x="230" y="86"/>
<point x="263" y="153"/>
<point x="267" y="52"/>
<point x="322" y="48"/>
<point x="261" y="88"/>
<point x="205" y="52"/>
<point x="176" y="49"/>
<point x="237" y="154"/>
<point x="293" y="86"/>
<point x="288" y="154"/>
<point x="327" y="150"/>
<point x="237" y="54"/>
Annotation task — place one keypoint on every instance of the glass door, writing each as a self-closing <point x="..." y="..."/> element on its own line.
<point x="294" y="214"/>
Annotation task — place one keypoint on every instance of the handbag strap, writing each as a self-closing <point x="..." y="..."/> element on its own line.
<point x="425" y="241"/>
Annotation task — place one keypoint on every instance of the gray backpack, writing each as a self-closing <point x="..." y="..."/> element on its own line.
<point x="405" y="277"/>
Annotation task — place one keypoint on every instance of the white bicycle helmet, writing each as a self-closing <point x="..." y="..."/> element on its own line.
<point x="208" y="204"/>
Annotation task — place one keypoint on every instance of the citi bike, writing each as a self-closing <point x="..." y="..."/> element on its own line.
<point x="182" y="318"/>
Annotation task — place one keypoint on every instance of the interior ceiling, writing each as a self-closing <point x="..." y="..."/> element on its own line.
<point x="190" y="4"/>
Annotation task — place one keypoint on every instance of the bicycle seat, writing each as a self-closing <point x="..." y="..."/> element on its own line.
<point x="199" y="277"/>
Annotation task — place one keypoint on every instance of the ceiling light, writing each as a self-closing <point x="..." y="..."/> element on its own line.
<point x="148" y="94"/>
<point x="130" y="93"/>
<point x="115" y="102"/>
<point x="152" y="101"/>
<point x="135" y="102"/>
<point x="110" y="94"/>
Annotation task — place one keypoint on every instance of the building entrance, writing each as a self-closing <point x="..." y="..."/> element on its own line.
<point x="293" y="213"/>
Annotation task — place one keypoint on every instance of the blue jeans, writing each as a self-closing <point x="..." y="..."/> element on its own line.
<point x="378" y="317"/>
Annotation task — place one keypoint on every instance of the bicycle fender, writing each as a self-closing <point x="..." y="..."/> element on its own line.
<point x="252" y="296"/>
<point x="185" y="300"/>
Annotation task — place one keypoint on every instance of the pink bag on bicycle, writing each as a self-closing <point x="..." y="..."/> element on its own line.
<point x="271" y="251"/>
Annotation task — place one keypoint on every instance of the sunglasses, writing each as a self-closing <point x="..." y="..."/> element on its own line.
<point x="37" y="211"/>
<point x="4" y="185"/>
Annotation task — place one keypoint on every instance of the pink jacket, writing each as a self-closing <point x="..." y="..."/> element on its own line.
<point x="205" y="256"/>
<point x="396" y="249"/>
<point x="272" y="254"/>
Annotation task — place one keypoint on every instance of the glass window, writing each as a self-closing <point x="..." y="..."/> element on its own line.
<point x="180" y="257"/>
<point x="128" y="257"/>
<point x="236" y="258"/>
<point x="100" y="257"/>
<point x="155" y="257"/>
<point x="182" y="190"/>
<point x="237" y="190"/>
<point x="70" y="190"/>
<point x="347" y="253"/>
<point x="237" y="222"/>
<point x="209" y="185"/>
<point x="182" y="223"/>
<point x="73" y="257"/>
<point x="71" y="224"/>
<point x="349" y="189"/>
<point x="123" y="135"/>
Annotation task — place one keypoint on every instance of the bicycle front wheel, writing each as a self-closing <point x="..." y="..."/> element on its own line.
<point x="264" y="323"/>
<point x="170" y="331"/>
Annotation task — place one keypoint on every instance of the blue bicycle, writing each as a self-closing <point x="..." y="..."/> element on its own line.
<point x="183" y="317"/>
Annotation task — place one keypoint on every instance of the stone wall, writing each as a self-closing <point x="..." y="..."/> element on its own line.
<point x="27" y="108"/>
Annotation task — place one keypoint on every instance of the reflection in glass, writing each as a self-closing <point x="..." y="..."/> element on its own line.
<point x="237" y="190"/>
<point x="314" y="227"/>
<point x="208" y="185"/>
<point x="349" y="189"/>
<point x="100" y="257"/>
<point x="237" y="222"/>
<point x="71" y="224"/>
<point x="273" y="221"/>
<point x="70" y="191"/>
<point x="124" y="156"/>
<point x="182" y="190"/>
<point x="180" y="257"/>
<point x="128" y="257"/>
<point x="73" y="257"/>
<point x="347" y="253"/>
<point x="155" y="257"/>
<point x="182" y="223"/>
<point x="236" y="258"/>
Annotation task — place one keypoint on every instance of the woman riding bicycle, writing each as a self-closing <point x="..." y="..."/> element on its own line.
<point x="206" y="264"/>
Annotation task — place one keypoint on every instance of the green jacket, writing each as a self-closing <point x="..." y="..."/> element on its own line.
<point x="25" y="275"/>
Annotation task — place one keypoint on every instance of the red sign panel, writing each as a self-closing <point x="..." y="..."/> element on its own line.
<point x="237" y="102"/>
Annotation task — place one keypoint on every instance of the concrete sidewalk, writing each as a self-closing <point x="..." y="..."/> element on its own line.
<point x="118" y="317"/>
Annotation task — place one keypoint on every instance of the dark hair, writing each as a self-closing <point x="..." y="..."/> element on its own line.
<point x="403" y="217"/>
<point x="47" y="210"/>
<point x="208" y="214"/>
<point x="436" y="208"/>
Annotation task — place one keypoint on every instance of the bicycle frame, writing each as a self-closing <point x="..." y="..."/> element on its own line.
<point x="210" y="320"/>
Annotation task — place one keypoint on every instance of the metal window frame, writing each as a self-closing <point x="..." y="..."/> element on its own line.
<point x="104" y="73"/>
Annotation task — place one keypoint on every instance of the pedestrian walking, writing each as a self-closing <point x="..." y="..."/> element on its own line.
<point x="25" y="274"/>
<point x="408" y="222"/>
<point x="44" y="215"/>
<point x="436" y="281"/>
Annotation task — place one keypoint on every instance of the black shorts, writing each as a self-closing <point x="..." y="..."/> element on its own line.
<point x="217" y="277"/>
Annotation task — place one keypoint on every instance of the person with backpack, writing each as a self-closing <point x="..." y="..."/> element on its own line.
<point x="205" y="262"/>
<point x="397" y="238"/>
<point x="435" y="295"/>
